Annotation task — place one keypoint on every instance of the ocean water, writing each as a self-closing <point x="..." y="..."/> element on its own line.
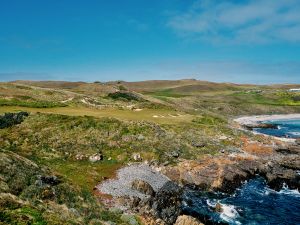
<point x="287" y="128"/>
<point x="254" y="203"/>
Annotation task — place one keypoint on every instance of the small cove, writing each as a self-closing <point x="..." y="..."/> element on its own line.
<point x="289" y="128"/>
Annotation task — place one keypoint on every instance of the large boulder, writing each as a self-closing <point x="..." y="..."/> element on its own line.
<point x="137" y="157"/>
<point x="187" y="220"/>
<point x="143" y="187"/>
<point x="96" y="157"/>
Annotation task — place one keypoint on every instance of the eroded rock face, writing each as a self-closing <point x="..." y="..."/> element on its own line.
<point x="167" y="203"/>
<point x="163" y="205"/>
<point x="187" y="220"/>
<point x="225" y="173"/>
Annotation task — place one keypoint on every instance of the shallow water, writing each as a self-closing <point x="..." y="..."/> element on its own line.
<point x="287" y="128"/>
<point x="254" y="203"/>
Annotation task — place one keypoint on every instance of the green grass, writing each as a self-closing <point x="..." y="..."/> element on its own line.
<point x="208" y="120"/>
<point x="273" y="98"/>
<point x="84" y="174"/>
<point x="30" y="104"/>
<point x="24" y="215"/>
<point x="166" y="93"/>
<point x="164" y="115"/>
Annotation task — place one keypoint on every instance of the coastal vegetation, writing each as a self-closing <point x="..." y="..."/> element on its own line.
<point x="77" y="135"/>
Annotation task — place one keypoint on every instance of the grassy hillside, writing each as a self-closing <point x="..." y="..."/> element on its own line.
<point x="47" y="169"/>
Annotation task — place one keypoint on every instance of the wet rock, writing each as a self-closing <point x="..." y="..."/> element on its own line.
<point x="167" y="203"/>
<point x="218" y="208"/>
<point x="260" y="125"/>
<point x="143" y="187"/>
<point x="279" y="176"/>
<point x="187" y="220"/>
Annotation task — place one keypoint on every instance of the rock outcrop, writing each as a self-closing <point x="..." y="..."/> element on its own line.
<point x="226" y="172"/>
<point x="167" y="203"/>
<point x="143" y="187"/>
<point x="260" y="125"/>
<point x="187" y="220"/>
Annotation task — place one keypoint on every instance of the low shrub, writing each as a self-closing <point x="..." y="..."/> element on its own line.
<point x="10" y="119"/>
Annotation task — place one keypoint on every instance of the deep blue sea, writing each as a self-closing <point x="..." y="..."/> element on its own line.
<point x="254" y="203"/>
<point x="287" y="128"/>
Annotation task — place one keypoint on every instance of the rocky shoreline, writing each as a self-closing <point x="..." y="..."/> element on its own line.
<point x="156" y="192"/>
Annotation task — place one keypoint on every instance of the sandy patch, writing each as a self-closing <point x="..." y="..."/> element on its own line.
<point x="246" y="120"/>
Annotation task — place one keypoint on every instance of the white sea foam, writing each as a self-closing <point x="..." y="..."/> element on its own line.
<point x="285" y="190"/>
<point x="211" y="203"/>
<point x="293" y="192"/>
<point x="229" y="214"/>
<point x="294" y="133"/>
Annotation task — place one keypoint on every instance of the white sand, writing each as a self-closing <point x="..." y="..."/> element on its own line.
<point x="246" y="120"/>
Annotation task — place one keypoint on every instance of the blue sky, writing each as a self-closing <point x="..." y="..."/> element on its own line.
<point x="250" y="41"/>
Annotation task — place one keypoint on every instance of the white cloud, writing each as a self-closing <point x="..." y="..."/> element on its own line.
<point x="251" y="21"/>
